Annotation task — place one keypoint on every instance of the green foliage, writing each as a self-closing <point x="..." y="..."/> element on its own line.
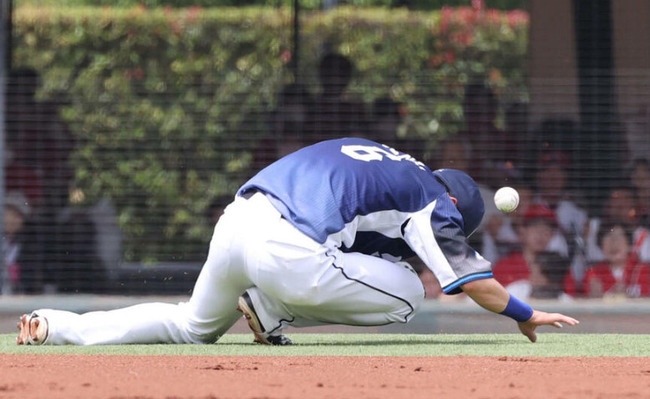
<point x="156" y="100"/>
<point x="425" y="59"/>
<point x="166" y="103"/>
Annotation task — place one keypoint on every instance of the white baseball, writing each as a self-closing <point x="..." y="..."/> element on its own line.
<point x="506" y="199"/>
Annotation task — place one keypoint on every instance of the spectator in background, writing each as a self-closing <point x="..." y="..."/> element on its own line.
<point x="333" y="114"/>
<point x="62" y="249"/>
<point x="557" y="133"/>
<point x="518" y="139"/>
<point x="498" y="234"/>
<point x="38" y="148"/>
<point x="454" y="153"/>
<point x="38" y="140"/>
<point x="637" y="126"/>
<point x="493" y="151"/>
<point x="506" y="239"/>
<point x="593" y="161"/>
<point x="510" y="234"/>
<point x="109" y="242"/>
<point x="620" y="205"/>
<point x="386" y="122"/>
<point x="520" y="272"/>
<point x="286" y="126"/>
<point x="554" y="270"/>
<point x="526" y="192"/>
<point x="553" y="192"/>
<point x="620" y="274"/>
<point x="24" y="128"/>
<point x="516" y="120"/>
<point x="16" y="211"/>
<point x="640" y="178"/>
<point x="494" y="235"/>
<point x="75" y="265"/>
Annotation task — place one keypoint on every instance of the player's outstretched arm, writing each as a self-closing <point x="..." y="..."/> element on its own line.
<point x="491" y="295"/>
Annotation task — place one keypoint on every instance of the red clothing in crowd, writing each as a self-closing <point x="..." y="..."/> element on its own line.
<point x="515" y="268"/>
<point x="511" y="268"/>
<point x="636" y="279"/>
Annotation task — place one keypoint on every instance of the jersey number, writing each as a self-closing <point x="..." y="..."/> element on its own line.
<point x="368" y="153"/>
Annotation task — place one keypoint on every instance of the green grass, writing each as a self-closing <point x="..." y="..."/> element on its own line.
<point x="377" y="345"/>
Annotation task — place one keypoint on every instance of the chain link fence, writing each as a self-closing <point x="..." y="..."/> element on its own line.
<point x="116" y="172"/>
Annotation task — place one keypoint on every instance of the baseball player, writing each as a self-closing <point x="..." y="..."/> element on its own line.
<point x="316" y="238"/>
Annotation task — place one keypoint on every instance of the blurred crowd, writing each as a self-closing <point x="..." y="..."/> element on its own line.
<point x="556" y="245"/>
<point x="48" y="244"/>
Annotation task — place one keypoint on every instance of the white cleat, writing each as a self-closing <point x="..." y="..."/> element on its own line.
<point x="33" y="330"/>
<point x="246" y="307"/>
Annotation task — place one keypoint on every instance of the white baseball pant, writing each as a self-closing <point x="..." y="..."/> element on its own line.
<point x="292" y="280"/>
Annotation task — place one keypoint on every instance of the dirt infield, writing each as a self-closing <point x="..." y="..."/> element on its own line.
<point x="283" y="377"/>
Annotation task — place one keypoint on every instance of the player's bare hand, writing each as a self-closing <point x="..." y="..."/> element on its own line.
<point x="540" y="318"/>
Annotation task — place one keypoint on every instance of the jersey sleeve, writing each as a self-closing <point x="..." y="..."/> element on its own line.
<point x="435" y="234"/>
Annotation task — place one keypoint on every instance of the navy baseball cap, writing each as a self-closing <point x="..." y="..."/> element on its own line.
<point x="470" y="203"/>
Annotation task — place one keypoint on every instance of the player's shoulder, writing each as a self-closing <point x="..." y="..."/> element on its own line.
<point x="344" y="140"/>
<point x="338" y="146"/>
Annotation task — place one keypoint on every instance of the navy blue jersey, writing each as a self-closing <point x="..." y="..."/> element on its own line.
<point x="358" y="195"/>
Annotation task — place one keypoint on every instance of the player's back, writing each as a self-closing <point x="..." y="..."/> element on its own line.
<point x="352" y="184"/>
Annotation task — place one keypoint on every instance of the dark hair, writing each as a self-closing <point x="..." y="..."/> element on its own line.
<point x="478" y="89"/>
<point x="293" y="93"/>
<point x="24" y="74"/>
<point x="333" y="64"/>
<point x="622" y="187"/>
<point x="385" y="106"/>
<point x="553" y="265"/>
<point x="643" y="162"/>
<point x="607" y="226"/>
<point x="522" y="184"/>
<point x="23" y="81"/>
<point x="640" y="162"/>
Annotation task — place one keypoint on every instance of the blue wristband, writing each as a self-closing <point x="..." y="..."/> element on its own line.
<point x="518" y="310"/>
